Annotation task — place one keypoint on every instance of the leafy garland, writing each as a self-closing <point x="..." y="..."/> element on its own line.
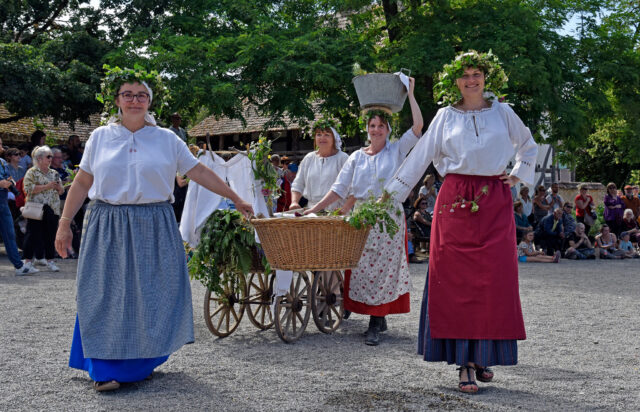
<point x="324" y="124"/>
<point x="375" y="212"/>
<point x="224" y="253"/>
<point x="392" y="119"/>
<point x="445" y="89"/>
<point x="116" y="77"/>
<point x="260" y="155"/>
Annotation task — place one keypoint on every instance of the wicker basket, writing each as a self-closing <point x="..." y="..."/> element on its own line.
<point x="310" y="243"/>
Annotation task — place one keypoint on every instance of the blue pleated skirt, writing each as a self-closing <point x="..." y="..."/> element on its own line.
<point x="103" y="370"/>
<point x="483" y="352"/>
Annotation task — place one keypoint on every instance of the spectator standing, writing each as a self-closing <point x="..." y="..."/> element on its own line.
<point x="578" y="245"/>
<point x="540" y="205"/>
<point x="42" y="185"/>
<point x="584" y="208"/>
<point x="527" y="203"/>
<point x="25" y="160"/>
<point x="613" y="209"/>
<point x="554" y="199"/>
<point x="550" y="232"/>
<point x="636" y="191"/>
<point x="176" y="120"/>
<point x="75" y="150"/>
<point x="427" y="183"/>
<point x="6" y="223"/>
<point x="568" y="222"/>
<point x="37" y="139"/>
<point x="631" y="201"/>
<point x="522" y="223"/>
<point x="13" y="167"/>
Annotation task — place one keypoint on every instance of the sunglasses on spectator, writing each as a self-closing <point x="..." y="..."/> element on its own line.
<point x="49" y="156"/>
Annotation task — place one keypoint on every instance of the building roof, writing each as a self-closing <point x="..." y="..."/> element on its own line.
<point x="255" y="123"/>
<point x="22" y="129"/>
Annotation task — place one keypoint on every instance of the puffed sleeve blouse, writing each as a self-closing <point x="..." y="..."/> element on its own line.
<point x="135" y="167"/>
<point x="478" y="142"/>
<point x="316" y="174"/>
<point x="365" y="175"/>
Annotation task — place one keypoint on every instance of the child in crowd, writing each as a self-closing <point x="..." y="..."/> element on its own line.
<point x="626" y="246"/>
<point x="527" y="251"/>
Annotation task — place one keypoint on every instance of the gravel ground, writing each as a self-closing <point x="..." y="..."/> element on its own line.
<point x="582" y="353"/>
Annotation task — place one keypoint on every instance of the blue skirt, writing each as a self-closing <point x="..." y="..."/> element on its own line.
<point x="483" y="352"/>
<point x="103" y="370"/>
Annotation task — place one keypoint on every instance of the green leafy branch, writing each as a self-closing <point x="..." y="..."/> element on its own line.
<point x="225" y="252"/>
<point x="260" y="155"/>
<point x="462" y="203"/>
<point x="375" y="212"/>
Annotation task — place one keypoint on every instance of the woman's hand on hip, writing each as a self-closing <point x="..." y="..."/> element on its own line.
<point x="63" y="238"/>
<point x="508" y="179"/>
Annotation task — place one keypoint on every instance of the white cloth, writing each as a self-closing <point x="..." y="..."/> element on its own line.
<point x="527" y="207"/>
<point x="282" y="286"/>
<point x="473" y="143"/>
<point x="337" y="141"/>
<point x="134" y="168"/>
<point x="364" y="175"/>
<point x="316" y="174"/>
<point x="200" y="202"/>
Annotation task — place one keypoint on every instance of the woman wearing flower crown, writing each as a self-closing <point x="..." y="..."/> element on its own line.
<point x="471" y="313"/>
<point x="380" y="285"/>
<point x="319" y="169"/>
<point x="133" y="293"/>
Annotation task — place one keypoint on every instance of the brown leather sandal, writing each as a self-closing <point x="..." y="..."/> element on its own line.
<point x="106" y="386"/>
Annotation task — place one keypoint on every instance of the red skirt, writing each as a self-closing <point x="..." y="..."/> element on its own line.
<point x="473" y="270"/>
<point x="400" y="305"/>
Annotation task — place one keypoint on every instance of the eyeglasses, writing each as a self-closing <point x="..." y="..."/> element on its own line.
<point x="49" y="156"/>
<point x="128" y="97"/>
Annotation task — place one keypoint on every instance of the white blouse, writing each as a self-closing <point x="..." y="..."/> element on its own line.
<point x="365" y="175"/>
<point x="316" y="174"/>
<point x="135" y="168"/>
<point x="473" y="143"/>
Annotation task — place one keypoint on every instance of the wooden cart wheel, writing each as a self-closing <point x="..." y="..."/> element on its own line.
<point x="327" y="300"/>
<point x="293" y="309"/>
<point x="222" y="314"/>
<point x="260" y="289"/>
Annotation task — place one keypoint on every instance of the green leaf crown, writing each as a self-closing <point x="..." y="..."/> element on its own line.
<point x="445" y="89"/>
<point x="116" y="77"/>
<point x="325" y="123"/>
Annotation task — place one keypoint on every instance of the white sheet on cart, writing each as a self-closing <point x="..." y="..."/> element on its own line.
<point x="200" y="202"/>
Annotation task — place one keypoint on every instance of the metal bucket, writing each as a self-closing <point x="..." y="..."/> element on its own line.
<point x="380" y="89"/>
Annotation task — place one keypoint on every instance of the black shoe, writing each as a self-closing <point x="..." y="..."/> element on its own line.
<point x="373" y="333"/>
<point x="346" y="314"/>
<point x="382" y="324"/>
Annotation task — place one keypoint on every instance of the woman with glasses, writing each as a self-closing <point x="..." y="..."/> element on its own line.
<point x="42" y="185"/>
<point x="133" y="292"/>
<point x="16" y="171"/>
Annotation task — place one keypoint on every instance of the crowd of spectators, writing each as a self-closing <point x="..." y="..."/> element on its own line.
<point x="39" y="173"/>
<point x="556" y="228"/>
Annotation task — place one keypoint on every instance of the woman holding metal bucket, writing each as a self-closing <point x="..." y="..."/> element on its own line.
<point x="380" y="285"/>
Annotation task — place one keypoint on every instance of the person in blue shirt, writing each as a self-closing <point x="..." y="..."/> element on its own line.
<point x="6" y="222"/>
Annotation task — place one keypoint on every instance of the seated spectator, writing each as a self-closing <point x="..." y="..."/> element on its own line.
<point x="613" y="209"/>
<point x="540" y="205"/>
<point x="522" y="223"/>
<point x="422" y="223"/>
<point x="630" y="225"/>
<point x="411" y="250"/>
<point x="626" y="246"/>
<point x="428" y="188"/>
<point x="13" y="158"/>
<point x="554" y="199"/>
<point x="550" y="232"/>
<point x="527" y="251"/>
<point x="631" y="201"/>
<point x="579" y="245"/>
<point x="606" y="241"/>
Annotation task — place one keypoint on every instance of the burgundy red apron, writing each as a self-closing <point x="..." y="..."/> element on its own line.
<point x="473" y="269"/>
